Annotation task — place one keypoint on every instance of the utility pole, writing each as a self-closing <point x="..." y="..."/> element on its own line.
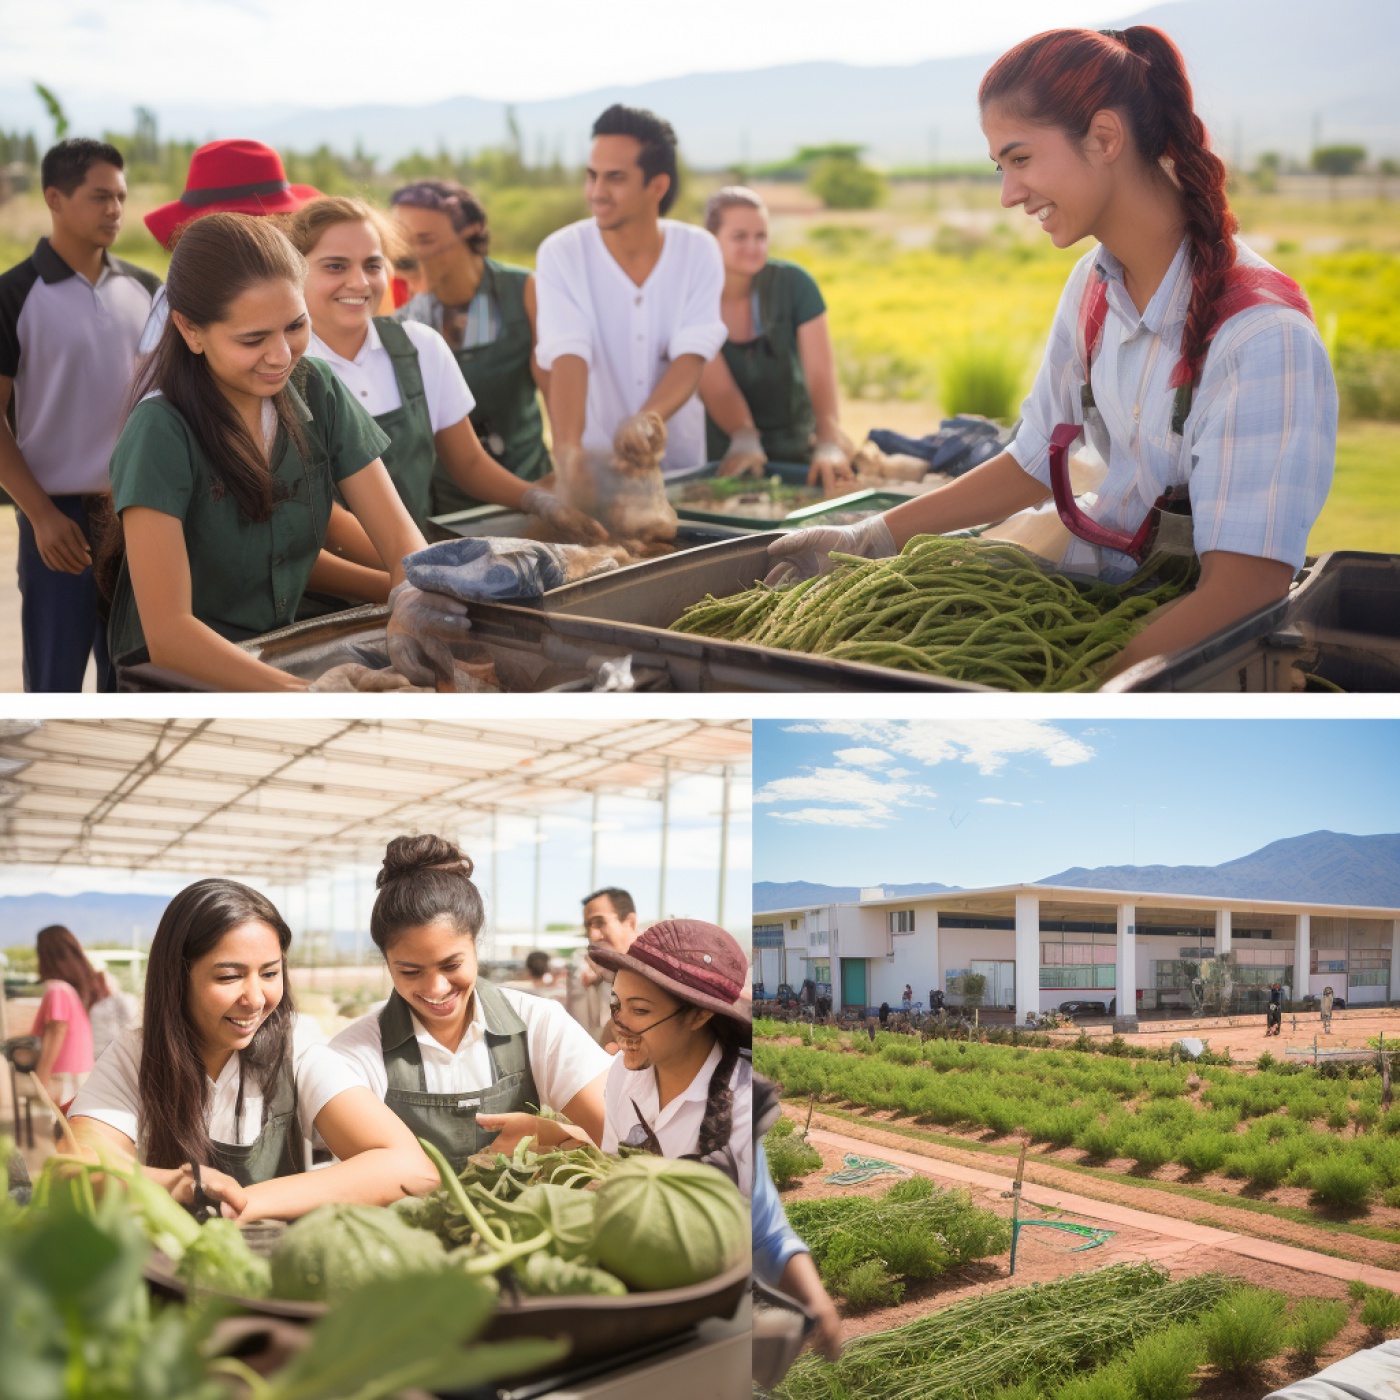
<point x="665" y="834"/>
<point x="723" y="842"/>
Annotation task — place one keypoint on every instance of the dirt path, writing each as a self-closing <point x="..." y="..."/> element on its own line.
<point x="1375" y="1254"/>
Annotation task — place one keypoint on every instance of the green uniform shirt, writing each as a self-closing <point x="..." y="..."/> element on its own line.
<point x="768" y="368"/>
<point x="247" y="577"/>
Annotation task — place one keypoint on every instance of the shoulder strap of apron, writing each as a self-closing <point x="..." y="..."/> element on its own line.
<point x="507" y="285"/>
<point x="403" y="1061"/>
<point x="403" y="355"/>
<point x="505" y="1032"/>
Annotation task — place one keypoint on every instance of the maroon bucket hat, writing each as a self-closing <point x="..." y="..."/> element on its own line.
<point x="696" y="962"/>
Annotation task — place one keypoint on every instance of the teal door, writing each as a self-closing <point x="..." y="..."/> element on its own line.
<point x="853" y="982"/>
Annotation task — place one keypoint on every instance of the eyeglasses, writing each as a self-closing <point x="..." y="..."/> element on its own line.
<point x="616" y="1006"/>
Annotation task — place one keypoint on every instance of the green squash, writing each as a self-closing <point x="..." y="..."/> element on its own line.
<point x="218" y="1260"/>
<point x="332" y="1251"/>
<point x="668" y="1224"/>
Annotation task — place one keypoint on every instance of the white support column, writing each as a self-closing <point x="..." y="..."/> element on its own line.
<point x="1027" y="956"/>
<point x="1126" y="990"/>
<point x="935" y="961"/>
<point x="1394" y="989"/>
<point x="1302" y="958"/>
<point x="1222" y="933"/>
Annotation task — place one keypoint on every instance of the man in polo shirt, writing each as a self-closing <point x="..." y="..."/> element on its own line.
<point x="628" y="303"/>
<point x="70" y="318"/>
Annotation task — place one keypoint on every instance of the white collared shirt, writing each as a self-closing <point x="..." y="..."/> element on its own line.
<point x="630" y="335"/>
<point x="1258" y="446"/>
<point x="564" y="1058"/>
<point x="370" y="375"/>
<point x="111" y="1094"/>
<point x="630" y="1092"/>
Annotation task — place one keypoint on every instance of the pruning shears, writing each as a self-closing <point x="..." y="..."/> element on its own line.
<point x="204" y="1207"/>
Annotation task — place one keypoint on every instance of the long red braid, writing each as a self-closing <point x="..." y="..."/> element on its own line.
<point x="1062" y="77"/>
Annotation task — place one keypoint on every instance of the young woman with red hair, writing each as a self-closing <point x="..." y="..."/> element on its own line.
<point x="1189" y="363"/>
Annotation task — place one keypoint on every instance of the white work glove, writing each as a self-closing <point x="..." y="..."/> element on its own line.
<point x="572" y="524"/>
<point x="745" y="455"/>
<point x="831" y="467"/>
<point x="422" y="627"/>
<point x="806" y="553"/>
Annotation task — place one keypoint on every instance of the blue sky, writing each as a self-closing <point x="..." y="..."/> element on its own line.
<point x="989" y="802"/>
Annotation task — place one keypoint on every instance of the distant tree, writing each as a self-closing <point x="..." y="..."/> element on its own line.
<point x="1266" y="172"/>
<point x="1338" y="160"/>
<point x="842" y="182"/>
<point x="145" y="148"/>
<point x="1389" y="166"/>
<point x="974" y="986"/>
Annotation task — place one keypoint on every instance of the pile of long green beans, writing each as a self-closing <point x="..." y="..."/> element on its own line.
<point x="965" y="609"/>
<point x="1037" y="1333"/>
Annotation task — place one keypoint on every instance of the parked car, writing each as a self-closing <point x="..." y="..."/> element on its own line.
<point x="1083" y="1008"/>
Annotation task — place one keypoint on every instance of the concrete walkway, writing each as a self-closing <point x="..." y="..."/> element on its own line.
<point x="1181" y="1235"/>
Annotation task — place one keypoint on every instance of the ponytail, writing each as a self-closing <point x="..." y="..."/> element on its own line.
<point x="717" y="1127"/>
<point x="1062" y="77"/>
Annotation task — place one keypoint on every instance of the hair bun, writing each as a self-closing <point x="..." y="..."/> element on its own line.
<point x="410" y="855"/>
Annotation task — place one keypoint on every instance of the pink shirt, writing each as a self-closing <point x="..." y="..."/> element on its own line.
<point x="62" y="1003"/>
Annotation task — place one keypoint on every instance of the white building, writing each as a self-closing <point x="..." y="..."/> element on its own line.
<point x="1040" y="945"/>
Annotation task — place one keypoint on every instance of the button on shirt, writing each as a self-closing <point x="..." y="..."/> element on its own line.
<point x="630" y="1092"/>
<point x="1258" y="446"/>
<point x="370" y="375"/>
<point x="564" y="1058"/>
<point x="63" y="338"/>
<point x="630" y="335"/>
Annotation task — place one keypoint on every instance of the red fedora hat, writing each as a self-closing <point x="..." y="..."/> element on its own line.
<point x="230" y="177"/>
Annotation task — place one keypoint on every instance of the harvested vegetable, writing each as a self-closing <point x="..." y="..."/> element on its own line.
<point x="327" y="1254"/>
<point x="544" y="1275"/>
<point x="966" y="609"/>
<point x="668" y="1224"/>
<point x="218" y="1260"/>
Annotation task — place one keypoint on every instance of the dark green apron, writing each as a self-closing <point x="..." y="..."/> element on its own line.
<point x="411" y="456"/>
<point x="278" y="1150"/>
<point x="768" y="371"/>
<point x="448" y="1121"/>
<point x="507" y="413"/>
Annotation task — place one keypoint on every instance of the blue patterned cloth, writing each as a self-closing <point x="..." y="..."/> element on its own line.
<point x="487" y="569"/>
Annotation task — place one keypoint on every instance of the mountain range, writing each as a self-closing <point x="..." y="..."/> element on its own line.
<point x="1324" y="867"/>
<point x="1269" y="75"/>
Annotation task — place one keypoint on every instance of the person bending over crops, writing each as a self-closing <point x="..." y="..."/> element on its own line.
<point x="224" y="475"/>
<point x="770" y="394"/>
<point x="485" y="311"/>
<point x="1206" y="372"/>
<point x="234" y="1080"/>
<point x="682" y="1085"/>
<point x="463" y="1063"/>
<point x="403" y="375"/>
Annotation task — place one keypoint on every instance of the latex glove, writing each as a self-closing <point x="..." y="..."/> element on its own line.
<point x="639" y="442"/>
<point x="572" y="524"/>
<point x="421" y="628"/>
<point x="745" y="455"/>
<point x="831" y="468"/>
<point x="61" y="543"/>
<point x="806" y="553"/>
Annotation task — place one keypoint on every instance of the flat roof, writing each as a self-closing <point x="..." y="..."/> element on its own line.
<point x="958" y="900"/>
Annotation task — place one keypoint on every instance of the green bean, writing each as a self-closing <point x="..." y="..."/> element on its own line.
<point x="973" y="611"/>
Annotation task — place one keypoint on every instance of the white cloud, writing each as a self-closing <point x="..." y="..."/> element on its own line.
<point x="864" y="758"/>
<point x="846" y="788"/>
<point x="999" y="802"/>
<point x="986" y="744"/>
<point x="832" y="816"/>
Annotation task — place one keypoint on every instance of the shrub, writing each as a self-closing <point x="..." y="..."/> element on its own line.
<point x="1099" y="1140"/>
<point x="1381" y="1310"/>
<point x="1203" y="1152"/>
<point x="1357" y="1291"/>
<point x="1244" y="1330"/>
<point x="1161" y="1367"/>
<point x="981" y="376"/>
<point x="842" y="182"/>
<point x="790" y="1157"/>
<point x="1149" y="1148"/>
<point x="1342" y="1182"/>
<point x="1313" y="1323"/>
<point x="1107" y="1383"/>
<point x="1266" y="1167"/>
<point x="868" y="1285"/>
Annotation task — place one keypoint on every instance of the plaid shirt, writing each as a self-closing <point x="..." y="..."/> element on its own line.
<point x="1258" y="446"/>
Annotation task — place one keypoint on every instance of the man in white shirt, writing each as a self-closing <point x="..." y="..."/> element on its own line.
<point x="628" y="304"/>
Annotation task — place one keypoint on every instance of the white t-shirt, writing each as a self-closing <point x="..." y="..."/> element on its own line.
<point x="564" y="1058"/>
<point x="370" y="375"/>
<point x="111" y="1094"/>
<point x="629" y="335"/>
<point x="629" y="1092"/>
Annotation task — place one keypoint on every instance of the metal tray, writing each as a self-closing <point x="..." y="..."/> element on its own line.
<point x="790" y="473"/>
<point x="499" y="521"/>
<point x="597" y="1327"/>
<point x="1338" y="627"/>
